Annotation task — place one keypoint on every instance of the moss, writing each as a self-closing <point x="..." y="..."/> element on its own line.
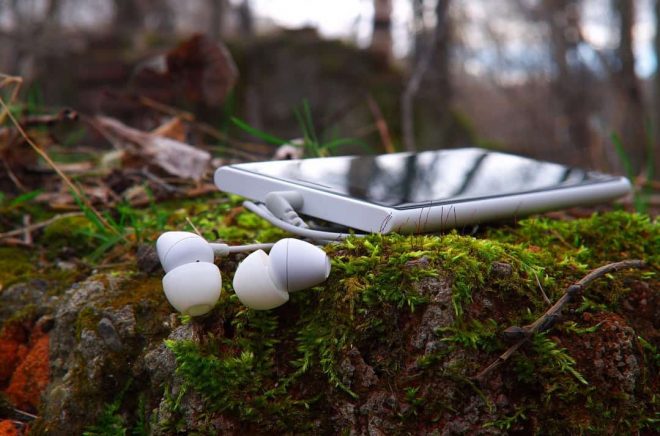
<point x="88" y="318"/>
<point x="281" y="370"/>
<point x="602" y="238"/>
<point x="15" y="266"/>
<point x="74" y="232"/>
<point x="138" y="289"/>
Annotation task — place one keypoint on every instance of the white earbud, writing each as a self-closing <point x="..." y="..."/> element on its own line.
<point x="193" y="283"/>
<point x="264" y="281"/>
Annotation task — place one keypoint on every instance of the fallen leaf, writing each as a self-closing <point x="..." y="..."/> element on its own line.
<point x="204" y="68"/>
<point x="175" y="157"/>
<point x="199" y="70"/>
<point x="173" y="129"/>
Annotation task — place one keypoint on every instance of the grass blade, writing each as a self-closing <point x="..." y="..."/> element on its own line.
<point x="266" y="137"/>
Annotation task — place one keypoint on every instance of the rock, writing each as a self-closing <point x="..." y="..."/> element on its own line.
<point x="356" y="372"/>
<point x="147" y="259"/>
<point x="501" y="269"/>
<point x="379" y="408"/>
<point x="611" y="360"/>
<point x="159" y="361"/>
<point x="22" y="295"/>
<point x="109" y="335"/>
<point x="96" y="351"/>
<point x="344" y="418"/>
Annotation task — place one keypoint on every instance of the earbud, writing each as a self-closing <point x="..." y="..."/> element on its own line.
<point x="193" y="283"/>
<point x="264" y="281"/>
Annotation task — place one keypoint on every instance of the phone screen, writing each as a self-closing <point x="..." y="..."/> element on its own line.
<point x="408" y="180"/>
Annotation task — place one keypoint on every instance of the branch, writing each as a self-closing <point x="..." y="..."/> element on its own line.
<point x="37" y="226"/>
<point x="49" y="120"/>
<point x="548" y="319"/>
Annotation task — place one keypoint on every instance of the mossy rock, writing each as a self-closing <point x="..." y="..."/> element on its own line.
<point x="390" y="343"/>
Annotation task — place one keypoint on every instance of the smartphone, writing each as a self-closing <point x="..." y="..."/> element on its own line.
<point x="422" y="192"/>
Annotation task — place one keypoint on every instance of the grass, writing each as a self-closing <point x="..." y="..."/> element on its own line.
<point x="313" y="145"/>
<point x="641" y="195"/>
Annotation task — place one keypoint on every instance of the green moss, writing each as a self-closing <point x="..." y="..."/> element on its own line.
<point x="280" y="370"/>
<point x="110" y="423"/>
<point x="88" y="319"/>
<point x="15" y="266"/>
<point x="138" y="289"/>
<point x="74" y="232"/>
<point x="602" y="238"/>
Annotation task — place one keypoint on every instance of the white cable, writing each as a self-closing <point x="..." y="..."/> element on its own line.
<point x="318" y="235"/>
<point x="224" y="249"/>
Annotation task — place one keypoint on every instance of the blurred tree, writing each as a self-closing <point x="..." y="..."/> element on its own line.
<point x="217" y="23"/>
<point x="656" y="43"/>
<point x="381" y="39"/>
<point x="432" y="70"/>
<point x="631" y="104"/>
<point x="127" y="20"/>
<point x="656" y="127"/>
<point x="419" y="29"/>
<point x="245" y="19"/>
<point x="572" y="78"/>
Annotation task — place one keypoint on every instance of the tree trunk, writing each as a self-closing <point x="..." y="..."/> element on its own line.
<point x="245" y="19"/>
<point x="630" y="94"/>
<point x="433" y="67"/>
<point x="656" y="128"/>
<point x="571" y="80"/>
<point x="381" y="39"/>
<point x="217" y="19"/>
<point x="127" y="20"/>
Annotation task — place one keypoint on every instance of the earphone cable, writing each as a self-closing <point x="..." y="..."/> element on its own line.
<point x="317" y="235"/>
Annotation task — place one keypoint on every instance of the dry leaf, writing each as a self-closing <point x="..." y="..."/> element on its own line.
<point x="173" y="129"/>
<point x="174" y="157"/>
<point x="199" y="70"/>
<point x="204" y="68"/>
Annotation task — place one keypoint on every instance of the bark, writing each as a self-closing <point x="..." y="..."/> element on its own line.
<point x="656" y="96"/>
<point x="571" y="80"/>
<point x="217" y="19"/>
<point x="630" y="95"/>
<point x="128" y="18"/>
<point x="246" y="19"/>
<point x="437" y="56"/>
<point x="381" y="40"/>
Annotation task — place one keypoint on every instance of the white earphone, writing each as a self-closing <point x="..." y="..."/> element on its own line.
<point x="192" y="282"/>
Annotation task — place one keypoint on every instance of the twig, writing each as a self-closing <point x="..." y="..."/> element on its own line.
<point x="9" y="80"/>
<point x="63" y="115"/>
<point x="159" y="181"/>
<point x="27" y="235"/>
<point x="193" y="226"/>
<point x="203" y="127"/>
<point x="538" y="282"/>
<point x="28" y="415"/>
<point x="36" y="226"/>
<point x="13" y="177"/>
<point x="548" y="318"/>
<point x="381" y="124"/>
